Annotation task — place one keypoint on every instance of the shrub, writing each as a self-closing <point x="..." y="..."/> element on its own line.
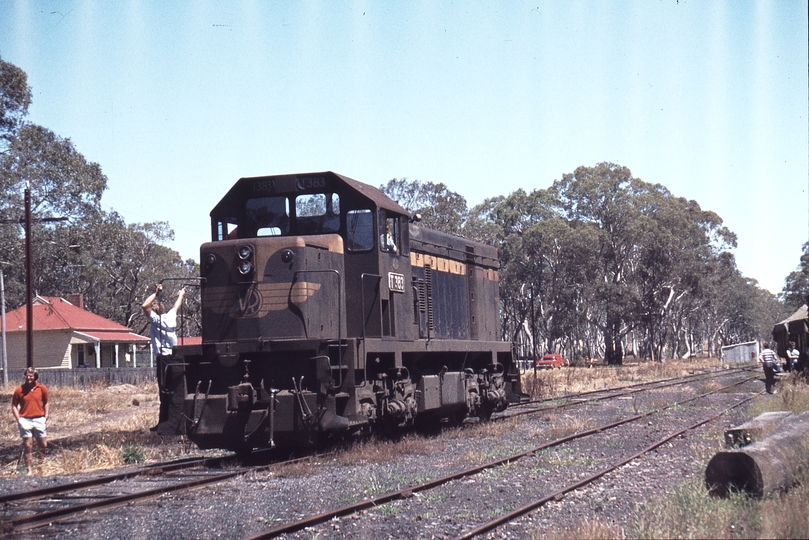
<point x="132" y="454"/>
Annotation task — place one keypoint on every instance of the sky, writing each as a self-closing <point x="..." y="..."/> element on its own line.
<point x="178" y="100"/>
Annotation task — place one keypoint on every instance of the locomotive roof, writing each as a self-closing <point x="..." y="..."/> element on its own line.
<point x="304" y="183"/>
<point x="452" y="246"/>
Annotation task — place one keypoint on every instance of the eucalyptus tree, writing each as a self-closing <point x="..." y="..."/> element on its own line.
<point x="114" y="266"/>
<point x="796" y="285"/>
<point x="600" y="197"/>
<point x="679" y="243"/>
<point x="542" y="269"/>
<point x="61" y="183"/>
<point x="642" y="264"/>
<point x="480" y="225"/>
<point x="94" y="252"/>
<point x="15" y="98"/>
<point x="514" y="216"/>
<point x="440" y="208"/>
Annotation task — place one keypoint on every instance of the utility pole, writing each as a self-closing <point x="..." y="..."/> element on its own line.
<point x="29" y="272"/>
<point x="29" y="283"/>
<point x="3" y="324"/>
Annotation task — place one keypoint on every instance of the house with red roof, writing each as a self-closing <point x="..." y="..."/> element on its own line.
<point x="68" y="336"/>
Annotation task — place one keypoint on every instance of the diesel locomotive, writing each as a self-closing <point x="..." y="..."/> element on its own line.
<point x="327" y="310"/>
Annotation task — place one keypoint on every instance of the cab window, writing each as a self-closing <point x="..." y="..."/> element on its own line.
<point x="389" y="239"/>
<point x="267" y="216"/>
<point x="359" y="230"/>
<point x="317" y="213"/>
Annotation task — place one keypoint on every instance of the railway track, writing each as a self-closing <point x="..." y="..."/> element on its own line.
<point x="594" y="396"/>
<point x="73" y="501"/>
<point x="26" y="510"/>
<point x="410" y="491"/>
<point x="557" y="495"/>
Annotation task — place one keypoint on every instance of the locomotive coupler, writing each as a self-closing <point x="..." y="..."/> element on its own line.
<point x="496" y="397"/>
<point x="242" y="396"/>
<point x="495" y="393"/>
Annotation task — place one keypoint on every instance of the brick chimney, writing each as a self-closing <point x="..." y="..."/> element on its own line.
<point x="77" y="299"/>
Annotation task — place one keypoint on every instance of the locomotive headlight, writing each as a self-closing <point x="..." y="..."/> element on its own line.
<point x="245" y="267"/>
<point x="245" y="252"/>
<point x="210" y="259"/>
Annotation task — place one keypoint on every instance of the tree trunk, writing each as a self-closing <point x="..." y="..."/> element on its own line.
<point x="771" y="464"/>
<point x="614" y="352"/>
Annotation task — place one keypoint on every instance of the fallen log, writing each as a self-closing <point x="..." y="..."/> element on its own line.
<point x="754" y="430"/>
<point x="771" y="463"/>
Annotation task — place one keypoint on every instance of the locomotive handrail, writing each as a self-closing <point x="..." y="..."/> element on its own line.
<point x="339" y="307"/>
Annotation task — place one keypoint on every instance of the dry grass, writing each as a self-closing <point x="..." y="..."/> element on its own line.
<point x="557" y="382"/>
<point x="94" y="429"/>
<point x="593" y="529"/>
<point x="689" y="512"/>
<point x="384" y="450"/>
<point x="562" y="425"/>
<point x="793" y="395"/>
<point x="298" y="469"/>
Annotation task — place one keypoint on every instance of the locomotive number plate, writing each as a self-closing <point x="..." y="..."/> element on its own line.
<point x="396" y="282"/>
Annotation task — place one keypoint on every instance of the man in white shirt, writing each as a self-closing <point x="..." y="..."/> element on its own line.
<point x="163" y="332"/>
<point x="768" y="359"/>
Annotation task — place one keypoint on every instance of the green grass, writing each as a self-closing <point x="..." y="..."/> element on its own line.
<point x="388" y="509"/>
<point x="132" y="454"/>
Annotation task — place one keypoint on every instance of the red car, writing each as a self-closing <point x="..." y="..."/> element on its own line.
<point x="550" y="361"/>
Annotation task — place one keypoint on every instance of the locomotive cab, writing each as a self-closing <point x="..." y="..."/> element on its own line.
<point x="325" y="311"/>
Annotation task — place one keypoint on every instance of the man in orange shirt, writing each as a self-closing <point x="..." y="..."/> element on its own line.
<point x="30" y="407"/>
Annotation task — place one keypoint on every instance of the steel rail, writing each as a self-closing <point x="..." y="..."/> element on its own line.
<point x="46" y="518"/>
<point x="707" y="375"/>
<point x="409" y="491"/>
<point x="632" y="390"/>
<point x="558" y="495"/>
<point x="185" y="463"/>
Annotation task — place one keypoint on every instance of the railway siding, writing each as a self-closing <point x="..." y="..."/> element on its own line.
<point x="259" y="500"/>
